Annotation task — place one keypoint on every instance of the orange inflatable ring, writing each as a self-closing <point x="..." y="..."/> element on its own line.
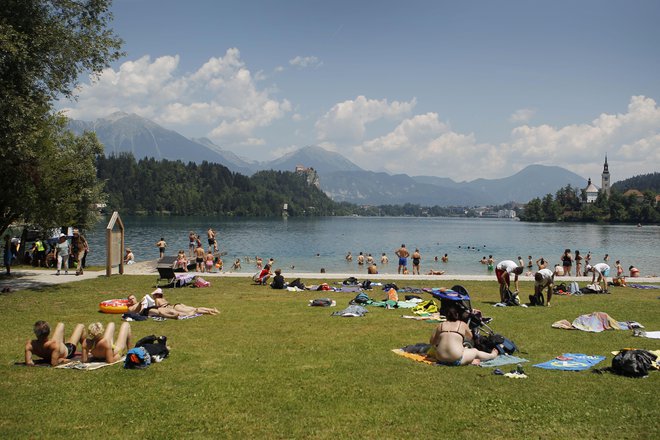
<point x="115" y="306"/>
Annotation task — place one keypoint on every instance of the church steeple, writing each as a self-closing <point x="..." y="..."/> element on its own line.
<point x="606" y="178"/>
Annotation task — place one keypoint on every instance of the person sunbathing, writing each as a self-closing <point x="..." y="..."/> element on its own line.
<point x="55" y="349"/>
<point x="448" y="338"/>
<point x="101" y="344"/>
<point x="163" y="306"/>
<point x="435" y="272"/>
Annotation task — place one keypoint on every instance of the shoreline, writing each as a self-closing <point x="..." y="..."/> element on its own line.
<point x="38" y="279"/>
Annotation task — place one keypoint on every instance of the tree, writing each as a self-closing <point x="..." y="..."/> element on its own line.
<point x="45" y="45"/>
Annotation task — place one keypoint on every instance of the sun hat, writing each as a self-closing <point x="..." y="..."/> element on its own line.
<point x="158" y="291"/>
<point x="62" y="235"/>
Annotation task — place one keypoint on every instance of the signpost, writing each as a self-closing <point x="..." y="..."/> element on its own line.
<point x="114" y="235"/>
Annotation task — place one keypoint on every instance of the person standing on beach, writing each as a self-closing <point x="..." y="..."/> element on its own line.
<point x="403" y="255"/>
<point x="62" y="252"/>
<point x="578" y="263"/>
<point x="567" y="262"/>
<point x="603" y="271"/>
<point x="213" y="244"/>
<point x="587" y="262"/>
<point x="79" y="247"/>
<point x="161" y="245"/>
<point x="417" y="257"/>
<point x="192" y="241"/>
<point x="503" y="272"/>
<point x="199" y="258"/>
<point x="7" y="254"/>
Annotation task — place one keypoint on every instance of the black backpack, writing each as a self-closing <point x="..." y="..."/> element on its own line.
<point x="633" y="363"/>
<point x="350" y="281"/>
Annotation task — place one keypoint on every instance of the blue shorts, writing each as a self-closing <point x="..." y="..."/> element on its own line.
<point x="452" y="363"/>
<point x="606" y="273"/>
<point x="403" y="261"/>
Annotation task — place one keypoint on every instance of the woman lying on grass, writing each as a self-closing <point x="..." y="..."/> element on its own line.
<point x="448" y="338"/>
<point x="159" y="306"/>
<point x="101" y="344"/>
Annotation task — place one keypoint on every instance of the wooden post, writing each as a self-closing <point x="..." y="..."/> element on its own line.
<point x="111" y="243"/>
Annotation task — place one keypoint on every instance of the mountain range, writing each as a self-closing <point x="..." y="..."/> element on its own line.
<point x="340" y="179"/>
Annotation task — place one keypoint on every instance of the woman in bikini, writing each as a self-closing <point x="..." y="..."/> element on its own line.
<point x="164" y="307"/>
<point x="447" y="341"/>
<point x="101" y="344"/>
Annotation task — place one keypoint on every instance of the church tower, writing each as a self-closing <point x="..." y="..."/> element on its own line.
<point x="606" y="179"/>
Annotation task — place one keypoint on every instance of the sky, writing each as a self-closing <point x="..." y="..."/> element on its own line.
<point x="459" y="89"/>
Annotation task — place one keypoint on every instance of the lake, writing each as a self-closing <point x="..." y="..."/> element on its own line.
<point x="309" y="244"/>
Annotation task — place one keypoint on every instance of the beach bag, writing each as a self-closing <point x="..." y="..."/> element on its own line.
<point x="366" y="284"/>
<point x="137" y="358"/>
<point x="537" y="300"/>
<point x="633" y="363"/>
<point x="389" y="286"/>
<point x="156" y="346"/>
<point x="361" y="298"/>
<point x="502" y="344"/>
<point x="350" y="281"/>
<point x="511" y="298"/>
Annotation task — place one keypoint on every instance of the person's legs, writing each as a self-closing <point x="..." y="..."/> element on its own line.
<point x="123" y="339"/>
<point x="79" y="258"/>
<point x="65" y="263"/>
<point x="164" y="312"/>
<point x="58" y="334"/>
<point x="184" y="309"/>
<point x="59" y="263"/>
<point x="550" y="287"/>
<point x="471" y="354"/>
<point x="78" y="335"/>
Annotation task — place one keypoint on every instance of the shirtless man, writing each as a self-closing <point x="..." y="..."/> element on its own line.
<point x="213" y="244"/>
<point x="384" y="259"/>
<point x="199" y="257"/>
<point x="403" y="255"/>
<point x="55" y="349"/>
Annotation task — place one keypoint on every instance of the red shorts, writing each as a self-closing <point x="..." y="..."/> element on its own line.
<point x="502" y="276"/>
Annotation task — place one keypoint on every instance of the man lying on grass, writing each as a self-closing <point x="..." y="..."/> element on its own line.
<point x="55" y="349"/>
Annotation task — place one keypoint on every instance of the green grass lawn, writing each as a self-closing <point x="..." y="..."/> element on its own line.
<point x="269" y="366"/>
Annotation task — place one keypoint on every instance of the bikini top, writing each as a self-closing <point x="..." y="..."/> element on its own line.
<point x="452" y="331"/>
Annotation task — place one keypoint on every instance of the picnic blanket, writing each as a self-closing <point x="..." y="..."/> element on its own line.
<point x="642" y="286"/>
<point x="571" y="362"/>
<point x="596" y="322"/>
<point x="352" y="311"/>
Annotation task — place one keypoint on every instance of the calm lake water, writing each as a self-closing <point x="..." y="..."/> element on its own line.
<point x="309" y="244"/>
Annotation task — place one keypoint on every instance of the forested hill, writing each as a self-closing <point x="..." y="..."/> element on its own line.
<point x="643" y="182"/>
<point x="151" y="186"/>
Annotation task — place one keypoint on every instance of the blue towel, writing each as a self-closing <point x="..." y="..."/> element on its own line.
<point x="571" y="362"/>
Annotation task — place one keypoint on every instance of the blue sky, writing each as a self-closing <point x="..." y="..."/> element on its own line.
<point x="460" y="89"/>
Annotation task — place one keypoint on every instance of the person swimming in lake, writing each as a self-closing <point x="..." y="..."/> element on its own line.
<point x="448" y="338"/>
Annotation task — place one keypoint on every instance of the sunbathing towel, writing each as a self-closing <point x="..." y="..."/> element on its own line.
<point x="503" y="359"/>
<point x="79" y="365"/>
<point x="642" y="286"/>
<point x="433" y="317"/>
<point x="650" y="335"/>
<point x="571" y="362"/>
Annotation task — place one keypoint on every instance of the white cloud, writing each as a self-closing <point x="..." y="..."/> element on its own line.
<point x="220" y="98"/>
<point x="304" y="62"/>
<point x="347" y="120"/>
<point x="522" y="115"/>
<point x="423" y="144"/>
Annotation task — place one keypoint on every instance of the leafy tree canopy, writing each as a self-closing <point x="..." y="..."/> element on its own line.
<point x="45" y="45"/>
